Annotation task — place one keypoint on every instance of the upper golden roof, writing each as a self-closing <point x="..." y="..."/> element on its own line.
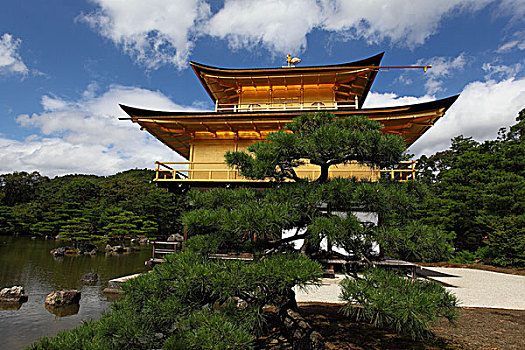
<point x="347" y="81"/>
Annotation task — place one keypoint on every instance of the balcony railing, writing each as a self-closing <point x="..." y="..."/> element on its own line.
<point x="219" y="172"/>
<point x="280" y="106"/>
<point x="405" y="172"/>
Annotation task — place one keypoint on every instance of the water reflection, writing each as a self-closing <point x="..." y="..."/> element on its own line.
<point x="11" y="305"/>
<point x="28" y="263"/>
<point x="63" y="310"/>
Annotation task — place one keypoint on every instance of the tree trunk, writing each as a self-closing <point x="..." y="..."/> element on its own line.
<point x="324" y="174"/>
<point x="297" y="329"/>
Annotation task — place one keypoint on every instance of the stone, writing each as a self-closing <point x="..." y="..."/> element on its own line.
<point x="63" y="297"/>
<point x="118" y="249"/>
<point x="59" y="251"/>
<point x="240" y="303"/>
<point x="317" y="341"/>
<point x="89" y="278"/>
<point x="13" y="294"/>
<point x="270" y="309"/>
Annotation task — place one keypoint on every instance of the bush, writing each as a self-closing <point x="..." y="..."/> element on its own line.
<point x="387" y="299"/>
<point x="192" y="302"/>
<point x="507" y="241"/>
<point x="464" y="257"/>
<point x="416" y="242"/>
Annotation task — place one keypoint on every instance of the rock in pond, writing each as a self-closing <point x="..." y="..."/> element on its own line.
<point x="14" y="294"/>
<point x="89" y="278"/>
<point x="119" y="249"/>
<point x="63" y="297"/>
<point x="59" y="251"/>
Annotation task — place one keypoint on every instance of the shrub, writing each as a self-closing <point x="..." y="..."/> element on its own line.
<point x="407" y="306"/>
<point x="192" y="302"/>
<point x="464" y="257"/>
<point x="416" y="242"/>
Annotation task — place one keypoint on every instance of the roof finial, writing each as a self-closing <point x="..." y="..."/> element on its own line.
<point x="292" y="61"/>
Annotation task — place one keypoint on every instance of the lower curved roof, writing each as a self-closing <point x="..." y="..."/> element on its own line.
<point x="178" y="130"/>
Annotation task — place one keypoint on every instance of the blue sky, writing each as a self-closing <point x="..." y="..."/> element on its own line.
<point x="66" y="64"/>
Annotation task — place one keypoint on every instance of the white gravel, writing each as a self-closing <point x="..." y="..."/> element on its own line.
<point x="474" y="288"/>
<point x="477" y="288"/>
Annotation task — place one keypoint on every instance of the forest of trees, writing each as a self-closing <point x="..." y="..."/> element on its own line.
<point x="479" y="196"/>
<point x="80" y="208"/>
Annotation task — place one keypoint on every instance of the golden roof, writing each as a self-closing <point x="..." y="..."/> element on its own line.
<point x="347" y="80"/>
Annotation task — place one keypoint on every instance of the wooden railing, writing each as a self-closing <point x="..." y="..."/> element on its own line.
<point x="218" y="171"/>
<point x="407" y="171"/>
<point x="160" y="249"/>
<point x="279" y="106"/>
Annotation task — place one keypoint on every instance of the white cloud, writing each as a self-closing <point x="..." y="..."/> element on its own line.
<point x="85" y="136"/>
<point x="283" y="25"/>
<point x="512" y="45"/>
<point x="442" y="67"/>
<point x="161" y="32"/>
<point x="481" y="110"/>
<point x="280" y="26"/>
<point x="501" y="70"/>
<point x="390" y="99"/>
<point x="515" y="8"/>
<point x="10" y="60"/>
<point x="403" y="22"/>
<point x="517" y="43"/>
<point x="154" y="32"/>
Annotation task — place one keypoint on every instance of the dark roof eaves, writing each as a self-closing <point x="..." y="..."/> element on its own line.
<point x="441" y="103"/>
<point x="370" y="61"/>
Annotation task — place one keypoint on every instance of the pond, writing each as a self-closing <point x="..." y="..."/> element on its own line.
<point x="28" y="263"/>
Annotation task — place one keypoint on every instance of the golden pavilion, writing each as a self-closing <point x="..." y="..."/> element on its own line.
<point x="250" y="103"/>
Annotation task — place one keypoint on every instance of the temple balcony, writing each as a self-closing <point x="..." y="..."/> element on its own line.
<point x="283" y="106"/>
<point x="219" y="172"/>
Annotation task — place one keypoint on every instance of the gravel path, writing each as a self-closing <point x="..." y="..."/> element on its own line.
<point x="474" y="288"/>
<point x="477" y="288"/>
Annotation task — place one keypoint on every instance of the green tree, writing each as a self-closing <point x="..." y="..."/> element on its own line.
<point x="123" y="224"/>
<point x="321" y="139"/>
<point x="192" y="302"/>
<point x="480" y="189"/>
<point x="319" y="209"/>
<point x="6" y="220"/>
<point x="35" y="205"/>
<point x="78" y="231"/>
<point x="20" y="187"/>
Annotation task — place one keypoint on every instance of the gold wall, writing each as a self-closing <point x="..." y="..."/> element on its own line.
<point x="291" y="95"/>
<point x="207" y="163"/>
